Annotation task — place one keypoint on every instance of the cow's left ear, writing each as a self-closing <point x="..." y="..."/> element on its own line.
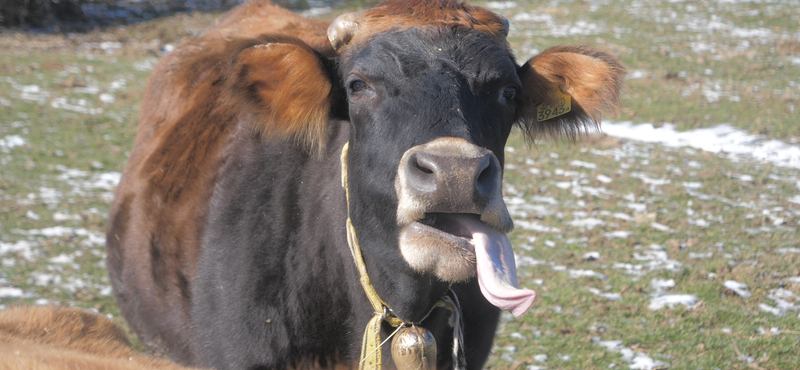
<point x="284" y="88"/>
<point x="567" y="89"/>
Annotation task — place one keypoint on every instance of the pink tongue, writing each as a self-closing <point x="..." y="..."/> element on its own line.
<point x="497" y="272"/>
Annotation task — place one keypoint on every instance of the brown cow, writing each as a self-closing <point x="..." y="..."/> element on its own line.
<point x="65" y="338"/>
<point x="232" y="241"/>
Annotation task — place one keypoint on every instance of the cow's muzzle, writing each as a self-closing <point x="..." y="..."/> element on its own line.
<point x="445" y="188"/>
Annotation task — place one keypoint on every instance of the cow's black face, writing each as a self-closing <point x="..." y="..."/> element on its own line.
<point x="431" y="110"/>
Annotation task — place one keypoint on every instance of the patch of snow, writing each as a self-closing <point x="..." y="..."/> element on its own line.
<point x="583" y="164"/>
<point x="107" y="98"/>
<point x="107" y="180"/>
<point x="10" y="142"/>
<point x="168" y="48"/>
<point x="106" y="291"/>
<point x="591" y="256"/>
<point x="740" y="289"/>
<point x="699" y="222"/>
<point x="501" y="5"/>
<point x="769" y="309"/>
<point x="526" y="261"/>
<point x="588" y="223"/>
<point x="91" y="90"/>
<point x="611" y="345"/>
<point x="609" y="296"/>
<point x="32" y="215"/>
<point x="43" y="279"/>
<point x="637" y="360"/>
<point x="636" y="74"/>
<point x="618" y="234"/>
<point x="550" y="28"/>
<point x="622" y="216"/>
<point x="10" y="292"/>
<point x="75" y="105"/>
<point x="781" y="299"/>
<point x="62" y="217"/>
<point x="535" y="226"/>
<point x="643" y="362"/>
<point x="655" y="260"/>
<point x="24" y="247"/>
<point x="530" y="17"/>
<point x="604" y="179"/>
<point x="671" y="301"/>
<point x="575" y="274"/>
<point x="720" y="138"/>
<point x="316" y="12"/>
<point x="697" y="256"/>
<point x="660" y="285"/>
<point x="43" y="302"/>
<point x="649" y="180"/>
<point x="637" y="207"/>
<point x="692" y="185"/>
<point x="661" y="227"/>
<point x="145" y="65"/>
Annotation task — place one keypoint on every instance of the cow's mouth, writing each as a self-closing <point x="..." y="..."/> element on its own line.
<point x="453" y="221"/>
<point x="456" y="246"/>
<point x="449" y="223"/>
<point x="440" y="243"/>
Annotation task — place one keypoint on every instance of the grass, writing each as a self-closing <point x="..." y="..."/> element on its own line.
<point x="698" y="218"/>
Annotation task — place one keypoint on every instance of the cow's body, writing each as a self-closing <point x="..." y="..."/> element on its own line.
<point x="227" y="239"/>
<point x="66" y="338"/>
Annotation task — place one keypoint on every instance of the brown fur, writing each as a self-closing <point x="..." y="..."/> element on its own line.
<point x="593" y="79"/>
<point x="402" y="14"/>
<point x="61" y="338"/>
<point x="162" y="200"/>
<point x="280" y="81"/>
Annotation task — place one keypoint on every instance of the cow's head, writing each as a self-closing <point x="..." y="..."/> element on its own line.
<point x="432" y="92"/>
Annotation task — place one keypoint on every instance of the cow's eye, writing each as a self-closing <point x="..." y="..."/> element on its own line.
<point x="510" y="92"/>
<point x="358" y="86"/>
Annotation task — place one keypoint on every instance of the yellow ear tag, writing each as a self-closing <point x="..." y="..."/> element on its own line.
<point x="562" y="106"/>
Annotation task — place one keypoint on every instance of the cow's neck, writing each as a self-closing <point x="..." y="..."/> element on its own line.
<point x="371" y="353"/>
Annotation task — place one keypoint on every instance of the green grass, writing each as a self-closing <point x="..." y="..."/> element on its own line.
<point x="748" y="218"/>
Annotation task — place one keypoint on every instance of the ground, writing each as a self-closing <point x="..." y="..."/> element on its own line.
<point x="655" y="248"/>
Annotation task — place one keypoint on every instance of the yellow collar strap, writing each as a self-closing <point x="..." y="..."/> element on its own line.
<point x="371" y="353"/>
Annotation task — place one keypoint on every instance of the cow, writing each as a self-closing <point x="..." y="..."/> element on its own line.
<point x="64" y="338"/>
<point x="299" y="190"/>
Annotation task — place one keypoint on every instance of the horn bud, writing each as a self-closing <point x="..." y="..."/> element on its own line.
<point x="505" y="24"/>
<point x="342" y="30"/>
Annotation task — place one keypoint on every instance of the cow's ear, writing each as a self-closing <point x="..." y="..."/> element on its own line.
<point x="284" y="88"/>
<point x="567" y="89"/>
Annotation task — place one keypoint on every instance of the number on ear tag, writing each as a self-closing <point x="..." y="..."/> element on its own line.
<point x="562" y="106"/>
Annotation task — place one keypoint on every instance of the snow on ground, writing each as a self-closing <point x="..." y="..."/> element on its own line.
<point x="723" y="138"/>
<point x="562" y="193"/>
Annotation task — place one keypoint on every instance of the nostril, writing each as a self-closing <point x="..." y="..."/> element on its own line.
<point x="487" y="180"/>
<point x="485" y="171"/>
<point x="426" y="163"/>
<point x="422" y="168"/>
<point x="421" y="172"/>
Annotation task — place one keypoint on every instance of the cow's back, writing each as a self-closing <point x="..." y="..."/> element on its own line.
<point x="159" y="213"/>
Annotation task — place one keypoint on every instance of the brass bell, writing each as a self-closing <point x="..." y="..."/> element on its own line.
<point x="414" y="348"/>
